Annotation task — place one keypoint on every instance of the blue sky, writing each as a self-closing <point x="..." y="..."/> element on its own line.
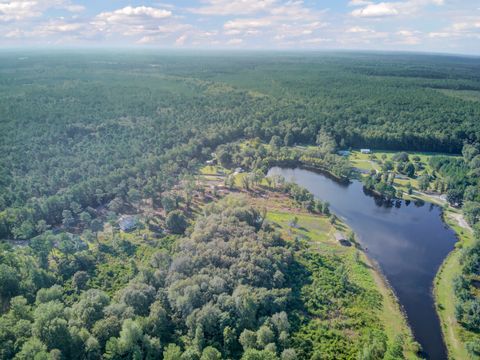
<point x="414" y="25"/>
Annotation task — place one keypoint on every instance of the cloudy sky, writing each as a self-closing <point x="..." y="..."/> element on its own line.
<point x="417" y="25"/>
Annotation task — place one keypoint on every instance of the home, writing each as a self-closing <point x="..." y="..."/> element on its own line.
<point x="365" y="151"/>
<point x="127" y="223"/>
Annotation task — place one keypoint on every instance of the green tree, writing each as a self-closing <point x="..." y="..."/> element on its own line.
<point x="210" y="353"/>
<point x="176" y="222"/>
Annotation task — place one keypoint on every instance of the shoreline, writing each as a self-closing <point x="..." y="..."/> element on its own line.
<point x="443" y="289"/>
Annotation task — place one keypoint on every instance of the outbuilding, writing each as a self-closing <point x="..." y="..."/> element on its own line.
<point x="127" y="222"/>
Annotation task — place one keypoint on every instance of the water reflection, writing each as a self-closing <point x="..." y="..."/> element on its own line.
<point x="408" y="242"/>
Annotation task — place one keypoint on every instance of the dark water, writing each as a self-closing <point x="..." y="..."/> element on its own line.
<point x="409" y="242"/>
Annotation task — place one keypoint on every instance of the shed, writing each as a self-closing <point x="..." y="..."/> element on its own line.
<point x="127" y="222"/>
<point x="365" y="151"/>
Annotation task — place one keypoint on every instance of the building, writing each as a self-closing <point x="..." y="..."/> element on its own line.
<point x="127" y="222"/>
<point x="344" y="153"/>
<point x="365" y="151"/>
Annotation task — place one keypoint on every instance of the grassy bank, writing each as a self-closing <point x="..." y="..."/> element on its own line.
<point x="318" y="234"/>
<point x="455" y="335"/>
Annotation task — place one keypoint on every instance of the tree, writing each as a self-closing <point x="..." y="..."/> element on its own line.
<point x="455" y="197"/>
<point x="85" y="218"/>
<point x="400" y="157"/>
<point x="472" y="212"/>
<point x="326" y="143"/>
<point x="253" y="354"/>
<point x="289" y="354"/>
<point x="96" y="226"/>
<point x="33" y="349"/>
<point x="176" y="222"/>
<point x="275" y="142"/>
<point x="67" y="218"/>
<point x="265" y="336"/>
<point x="409" y="188"/>
<point x="410" y="170"/>
<point x="9" y="282"/>
<point x="288" y="139"/>
<point x="90" y="307"/>
<point x="51" y="327"/>
<point x="210" y="353"/>
<point x="248" y="339"/>
<point x="79" y="280"/>
<point x="168" y="203"/>
<point x="172" y="352"/>
<point x="424" y="182"/>
<point x="41" y="226"/>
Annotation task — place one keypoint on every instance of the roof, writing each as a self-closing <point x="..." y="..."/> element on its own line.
<point x="127" y="222"/>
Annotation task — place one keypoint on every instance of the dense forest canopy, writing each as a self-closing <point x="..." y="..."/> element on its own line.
<point x="91" y="139"/>
<point x="85" y="128"/>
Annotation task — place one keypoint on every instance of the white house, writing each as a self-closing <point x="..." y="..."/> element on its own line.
<point x="365" y="151"/>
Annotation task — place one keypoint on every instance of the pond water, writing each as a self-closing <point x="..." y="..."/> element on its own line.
<point x="408" y="240"/>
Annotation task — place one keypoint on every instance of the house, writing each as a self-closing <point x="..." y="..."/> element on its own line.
<point x="211" y="162"/>
<point x="238" y="170"/>
<point x="365" y="151"/>
<point x="127" y="222"/>
<point x="344" y="153"/>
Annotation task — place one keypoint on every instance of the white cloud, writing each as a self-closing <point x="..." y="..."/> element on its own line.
<point x="133" y="14"/>
<point x="180" y="41"/>
<point x="236" y="41"/>
<point x="232" y="7"/>
<point x="386" y="9"/>
<point x="316" y="40"/>
<point x="408" y="37"/>
<point x="359" y="3"/>
<point x="376" y="10"/>
<point x="462" y="27"/>
<point x="358" y="29"/>
<point x="147" y="23"/>
<point x="242" y="24"/>
<point x="25" y="9"/>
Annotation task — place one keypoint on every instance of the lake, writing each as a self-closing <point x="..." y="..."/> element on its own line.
<point x="408" y="240"/>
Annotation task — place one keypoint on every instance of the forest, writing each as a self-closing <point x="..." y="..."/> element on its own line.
<point x="87" y="137"/>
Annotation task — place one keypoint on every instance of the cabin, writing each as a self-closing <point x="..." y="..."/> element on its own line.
<point x="127" y="223"/>
<point x="344" y="153"/>
<point x="365" y="151"/>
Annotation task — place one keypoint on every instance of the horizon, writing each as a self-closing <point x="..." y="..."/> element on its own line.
<point x="418" y="26"/>
<point x="228" y="51"/>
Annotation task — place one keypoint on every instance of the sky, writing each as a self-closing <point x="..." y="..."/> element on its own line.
<point x="451" y="26"/>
